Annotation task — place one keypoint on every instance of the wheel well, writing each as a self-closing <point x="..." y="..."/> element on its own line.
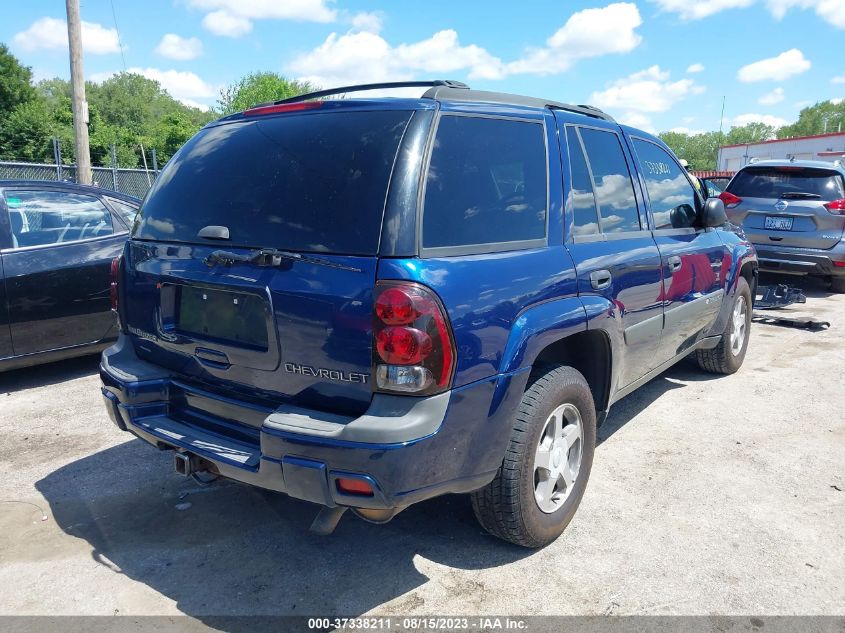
<point x="588" y="352"/>
<point x="749" y="271"/>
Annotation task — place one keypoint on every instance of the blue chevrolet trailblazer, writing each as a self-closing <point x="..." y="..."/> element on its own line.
<point x="366" y="303"/>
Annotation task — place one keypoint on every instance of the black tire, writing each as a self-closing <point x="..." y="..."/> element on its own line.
<point x="722" y="359"/>
<point x="837" y="284"/>
<point x="506" y="507"/>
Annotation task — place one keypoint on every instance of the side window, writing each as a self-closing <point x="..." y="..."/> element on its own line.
<point x="614" y="189"/>
<point x="487" y="183"/>
<point x="581" y="196"/>
<point x="55" y="217"/>
<point x="126" y="211"/>
<point x="672" y="198"/>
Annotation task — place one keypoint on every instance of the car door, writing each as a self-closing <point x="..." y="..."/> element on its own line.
<point x="5" y="332"/>
<point x="694" y="259"/>
<point x="58" y="268"/>
<point x="615" y="256"/>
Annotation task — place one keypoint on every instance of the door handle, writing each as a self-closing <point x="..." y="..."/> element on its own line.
<point x="674" y="264"/>
<point x="600" y="279"/>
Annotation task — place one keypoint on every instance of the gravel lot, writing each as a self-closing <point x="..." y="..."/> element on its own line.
<point x="709" y="495"/>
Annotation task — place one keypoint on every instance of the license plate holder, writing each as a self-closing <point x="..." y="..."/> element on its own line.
<point x="778" y="223"/>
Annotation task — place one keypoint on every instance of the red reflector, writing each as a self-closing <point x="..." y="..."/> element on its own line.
<point x="836" y="206"/>
<point x="275" y="108"/>
<point x="839" y="264"/>
<point x="729" y="199"/>
<point x="351" y="486"/>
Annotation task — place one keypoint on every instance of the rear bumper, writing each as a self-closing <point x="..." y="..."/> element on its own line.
<point x="408" y="449"/>
<point x="809" y="261"/>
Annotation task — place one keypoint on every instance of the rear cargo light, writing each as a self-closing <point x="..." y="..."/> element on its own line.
<point x="413" y="350"/>
<point x="836" y="206"/>
<point x="275" y="108"/>
<point x="729" y="199"/>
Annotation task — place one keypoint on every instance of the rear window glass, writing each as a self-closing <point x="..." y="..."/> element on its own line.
<point x="789" y="182"/>
<point x="314" y="182"/>
<point x="486" y="183"/>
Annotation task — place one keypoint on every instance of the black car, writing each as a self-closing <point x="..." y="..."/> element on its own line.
<point x="57" y="243"/>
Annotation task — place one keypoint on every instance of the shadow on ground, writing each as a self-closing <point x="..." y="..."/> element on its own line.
<point x="242" y="551"/>
<point x="48" y="373"/>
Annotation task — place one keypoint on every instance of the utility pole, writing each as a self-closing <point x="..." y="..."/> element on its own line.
<point x="80" y="106"/>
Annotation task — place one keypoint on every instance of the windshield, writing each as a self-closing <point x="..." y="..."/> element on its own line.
<point x="777" y="182"/>
<point x="311" y="182"/>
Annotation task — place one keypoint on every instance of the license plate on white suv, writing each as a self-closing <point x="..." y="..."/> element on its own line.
<point x="778" y="223"/>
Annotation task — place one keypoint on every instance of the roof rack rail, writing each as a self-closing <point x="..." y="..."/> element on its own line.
<point x="446" y="92"/>
<point x="382" y="86"/>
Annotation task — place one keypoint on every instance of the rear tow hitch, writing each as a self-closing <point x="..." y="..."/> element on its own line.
<point x="183" y="464"/>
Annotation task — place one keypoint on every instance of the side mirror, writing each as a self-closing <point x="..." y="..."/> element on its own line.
<point x="713" y="213"/>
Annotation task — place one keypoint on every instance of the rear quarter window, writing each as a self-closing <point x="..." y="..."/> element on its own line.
<point x="776" y="182"/>
<point x="487" y="184"/>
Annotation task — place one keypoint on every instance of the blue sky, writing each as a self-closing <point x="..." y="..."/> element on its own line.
<point x="657" y="64"/>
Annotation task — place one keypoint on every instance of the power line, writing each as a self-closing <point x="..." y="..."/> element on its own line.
<point x="119" y="40"/>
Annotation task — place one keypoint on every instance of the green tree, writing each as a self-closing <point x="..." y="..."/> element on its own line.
<point x="750" y="133"/>
<point x="15" y="83"/>
<point x="816" y="119"/>
<point x="171" y="133"/>
<point x="699" y="150"/>
<point x="258" y="88"/>
<point x="26" y="133"/>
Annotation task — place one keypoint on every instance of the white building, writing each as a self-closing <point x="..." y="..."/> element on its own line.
<point x="827" y="147"/>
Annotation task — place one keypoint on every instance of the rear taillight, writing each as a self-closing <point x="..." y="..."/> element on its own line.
<point x="836" y="206"/>
<point x="729" y="199"/>
<point x="412" y="341"/>
<point x="115" y="275"/>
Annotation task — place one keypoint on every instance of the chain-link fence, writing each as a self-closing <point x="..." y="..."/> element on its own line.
<point x="134" y="182"/>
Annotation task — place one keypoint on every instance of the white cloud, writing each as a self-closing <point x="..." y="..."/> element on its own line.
<point x="51" y="33"/>
<point x="184" y="86"/>
<point x="371" y="22"/>
<point x="692" y="10"/>
<point x="233" y="18"/>
<point x="831" y="11"/>
<point x="785" y="65"/>
<point x="752" y="117"/>
<point x="649" y="90"/>
<point x="362" y="55"/>
<point x="771" y="98"/>
<point x="695" y="68"/>
<point x="226" y="24"/>
<point x="638" y="120"/>
<point x="838" y="80"/>
<point x="681" y="129"/>
<point x="178" y="47"/>
<point x="587" y="33"/>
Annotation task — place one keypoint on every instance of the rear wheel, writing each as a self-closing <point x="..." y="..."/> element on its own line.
<point x="837" y="284"/>
<point x="728" y="355"/>
<point x="544" y="473"/>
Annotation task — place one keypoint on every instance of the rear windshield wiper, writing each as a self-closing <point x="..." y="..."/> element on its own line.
<point x="800" y="194"/>
<point x="270" y="257"/>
